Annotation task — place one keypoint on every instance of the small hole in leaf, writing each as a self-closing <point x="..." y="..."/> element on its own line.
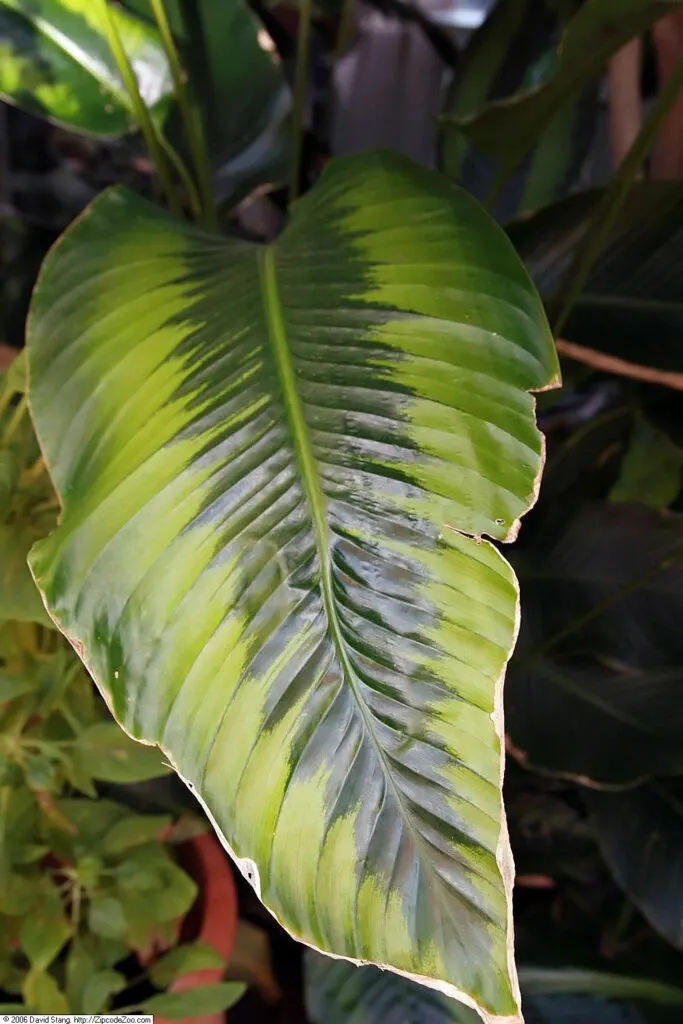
<point x="499" y="522"/>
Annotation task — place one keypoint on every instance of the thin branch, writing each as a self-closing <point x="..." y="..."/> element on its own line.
<point x="190" y="115"/>
<point x="620" y="367"/>
<point x="347" y="21"/>
<point x="142" y="114"/>
<point x="184" y="175"/>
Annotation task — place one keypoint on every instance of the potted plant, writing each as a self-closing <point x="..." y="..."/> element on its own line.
<point x="100" y="905"/>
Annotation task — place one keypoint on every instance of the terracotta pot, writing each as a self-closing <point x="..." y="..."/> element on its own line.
<point x="213" y="919"/>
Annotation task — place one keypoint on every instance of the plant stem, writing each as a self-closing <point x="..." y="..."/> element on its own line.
<point x="191" y="117"/>
<point x="300" y="94"/>
<point x="141" y="112"/>
<point x="345" y="29"/>
<point x="184" y="175"/>
<point x="198" y="61"/>
<point x="619" y="367"/>
<point x="615" y="195"/>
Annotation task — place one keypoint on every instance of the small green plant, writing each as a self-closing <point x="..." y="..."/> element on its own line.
<point x="86" y="886"/>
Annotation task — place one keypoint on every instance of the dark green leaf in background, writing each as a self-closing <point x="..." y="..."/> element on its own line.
<point x="580" y="1008"/>
<point x="476" y="75"/>
<point x="547" y="981"/>
<point x="238" y="78"/>
<point x="632" y="306"/>
<point x="604" y="702"/>
<point x="650" y="470"/>
<point x="508" y="128"/>
<point x="623" y="564"/>
<point x="515" y="49"/>
<point x="339" y="993"/>
<point x="55" y="61"/>
<point x="596" y="722"/>
<point x="640" y="833"/>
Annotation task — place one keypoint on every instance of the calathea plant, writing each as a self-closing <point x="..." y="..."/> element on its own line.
<point x="281" y="471"/>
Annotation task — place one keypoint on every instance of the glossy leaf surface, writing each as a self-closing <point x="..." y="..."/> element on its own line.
<point x="509" y="128"/>
<point x="276" y="466"/>
<point x="55" y="61"/>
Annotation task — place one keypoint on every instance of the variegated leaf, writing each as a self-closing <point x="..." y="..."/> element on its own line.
<point x="276" y="466"/>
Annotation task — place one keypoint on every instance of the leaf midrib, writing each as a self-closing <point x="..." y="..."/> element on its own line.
<point x="309" y="471"/>
<point x="308" y="467"/>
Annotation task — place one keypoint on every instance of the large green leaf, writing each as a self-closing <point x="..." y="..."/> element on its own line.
<point x="55" y="61"/>
<point x="603" y="702"/>
<point x="640" y="833"/>
<point x="276" y="466"/>
<point x="508" y="128"/>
